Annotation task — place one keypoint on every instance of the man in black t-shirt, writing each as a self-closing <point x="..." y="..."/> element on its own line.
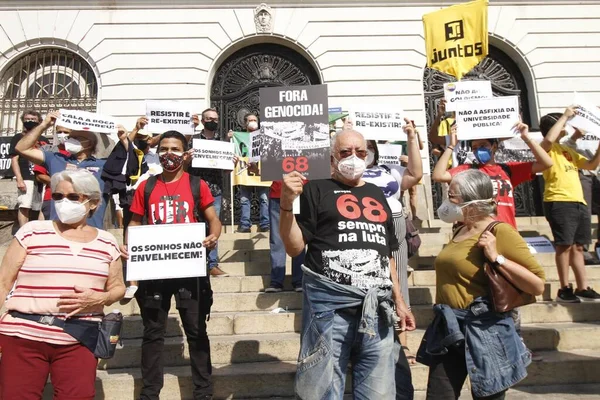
<point x="347" y="225"/>
<point x="29" y="196"/>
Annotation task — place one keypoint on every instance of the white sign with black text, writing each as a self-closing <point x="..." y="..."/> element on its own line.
<point x="587" y="116"/>
<point x="166" y="251"/>
<point x="213" y="154"/>
<point x="379" y="122"/>
<point x="166" y="116"/>
<point x="465" y="91"/>
<point x="540" y="244"/>
<point x="255" y="146"/>
<point x="389" y="154"/>
<point x="86" y="121"/>
<point x="487" y="119"/>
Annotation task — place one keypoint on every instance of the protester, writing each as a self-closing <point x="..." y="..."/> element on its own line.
<point x="65" y="272"/>
<point x="466" y="329"/>
<point x="85" y="149"/>
<point x="404" y="159"/>
<point x="213" y="177"/>
<point x="29" y="191"/>
<point x="565" y="208"/>
<point x="350" y="280"/>
<point x="251" y="122"/>
<point x="193" y="295"/>
<point x="504" y="176"/>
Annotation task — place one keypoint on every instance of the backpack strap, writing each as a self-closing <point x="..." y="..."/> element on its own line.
<point x="150" y="184"/>
<point x="195" y="182"/>
<point x="506" y="170"/>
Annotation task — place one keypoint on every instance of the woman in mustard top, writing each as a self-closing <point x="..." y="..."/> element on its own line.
<point x="482" y="339"/>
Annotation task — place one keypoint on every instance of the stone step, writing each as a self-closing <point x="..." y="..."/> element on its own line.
<point x="275" y="378"/>
<point x="232" y="349"/>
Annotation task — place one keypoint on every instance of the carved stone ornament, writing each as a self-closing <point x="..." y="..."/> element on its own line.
<point x="263" y="18"/>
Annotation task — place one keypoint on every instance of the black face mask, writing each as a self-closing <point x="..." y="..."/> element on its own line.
<point x="29" y="125"/>
<point x="211" y="126"/>
<point x="141" y="144"/>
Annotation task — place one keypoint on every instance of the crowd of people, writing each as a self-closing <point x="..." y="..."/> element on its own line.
<point x="348" y="247"/>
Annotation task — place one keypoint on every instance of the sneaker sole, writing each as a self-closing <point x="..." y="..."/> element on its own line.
<point x="588" y="300"/>
<point x="273" y="291"/>
<point x="559" y="300"/>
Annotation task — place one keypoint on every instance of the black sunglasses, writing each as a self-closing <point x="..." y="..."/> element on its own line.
<point x="70" y="196"/>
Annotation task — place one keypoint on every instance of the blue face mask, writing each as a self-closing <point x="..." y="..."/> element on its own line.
<point x="483" y="155"/>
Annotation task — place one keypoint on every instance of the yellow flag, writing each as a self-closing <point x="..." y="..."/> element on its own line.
<point x="456" y="38"/>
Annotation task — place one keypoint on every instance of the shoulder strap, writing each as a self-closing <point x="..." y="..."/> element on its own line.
<point x="506" y="170"/>
<point x="195" y="182"/>
<point x="491" y="226"/>
<point x="150" y="184"/>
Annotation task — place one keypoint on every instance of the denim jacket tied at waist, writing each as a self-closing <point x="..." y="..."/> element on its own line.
<point x="495" y="355"/>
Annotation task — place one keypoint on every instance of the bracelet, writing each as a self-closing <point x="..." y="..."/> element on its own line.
<point x="285" y="209"/>
<point x="450" y="147"/>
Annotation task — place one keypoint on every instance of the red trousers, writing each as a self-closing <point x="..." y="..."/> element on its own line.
<point x="25" y="365"/>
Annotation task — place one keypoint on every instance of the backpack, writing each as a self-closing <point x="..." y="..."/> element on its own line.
<point x="205" y="293"/>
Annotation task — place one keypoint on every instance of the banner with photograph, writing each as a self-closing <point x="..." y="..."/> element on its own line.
<point x="379" y="122"/>
<point x="86" y="121"/>
<point x="166" y="251"/>
<point x="166" y="116"/>
<point x="465" y="91"/>
<point x="587" y="116"/>
<point x="242" y="143"/>
<point x="213" y="154"/>
<point x="295" y="132"/>
<point x="487" y="119"/>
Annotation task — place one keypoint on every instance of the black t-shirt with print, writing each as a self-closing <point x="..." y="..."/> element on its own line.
<point x="24" y="165"/>
<point x="349" y="232"/>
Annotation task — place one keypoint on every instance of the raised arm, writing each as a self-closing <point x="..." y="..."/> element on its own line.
<point x="26" y="146"/>
<point x="594" y="162"/>
<point x="542" y="160"/>
<point x="440" y="171"/>
<point x="554" y="132"/>
<point x="289" y="230"/>
<point x="433" y="136"/>
<point x="414" y="171"/>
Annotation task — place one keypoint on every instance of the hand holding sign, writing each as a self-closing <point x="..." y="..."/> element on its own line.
<point x="141" y="123"/>
<point x="50" y="119"/>
<point x="586" y="116"/>
<point x="291" y="188"/>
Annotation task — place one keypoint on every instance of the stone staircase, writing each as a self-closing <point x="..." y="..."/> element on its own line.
<point x="254" y="351"/>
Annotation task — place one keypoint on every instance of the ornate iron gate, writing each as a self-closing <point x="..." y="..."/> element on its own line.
<point x="507" y="80"/>
<point x="234" y="93"/>
<point x="45" y="80"/>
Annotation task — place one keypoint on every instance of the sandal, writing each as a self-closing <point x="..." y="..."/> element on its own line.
<point x="409" y="356"/>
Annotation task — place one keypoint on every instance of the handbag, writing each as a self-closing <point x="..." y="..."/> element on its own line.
<point x="504" y="295"/>
<point x="413" y="240"/>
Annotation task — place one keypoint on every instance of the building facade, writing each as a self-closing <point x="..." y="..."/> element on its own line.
<point x="112" y="55"/>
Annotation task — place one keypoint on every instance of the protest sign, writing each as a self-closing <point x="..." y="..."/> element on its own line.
<point x="241" y="175"/>
<point x="5" y="160"/>
<point x="166" y="251"/>
<point x="540" y="244"/>
<point x="166" y="116"/>
<point x="465" y="91"/>
<point x="86" y="121"/>
<point x="389" y="154"/>
<point x="255" y="146"/>
<point x="487" y="119"/>
<point x="378" y="122"/>
<point x="295" y="132"/>
<point x="213" y="154"/>
<point x="587" y="116"/>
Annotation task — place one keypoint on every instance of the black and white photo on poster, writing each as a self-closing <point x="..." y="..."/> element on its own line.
<point x="295" y="132"/>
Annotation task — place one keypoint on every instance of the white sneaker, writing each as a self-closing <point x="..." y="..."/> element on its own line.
<point x="130" y="292"/>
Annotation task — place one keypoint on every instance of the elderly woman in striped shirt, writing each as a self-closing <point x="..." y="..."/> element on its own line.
<point x="64" y="272"/>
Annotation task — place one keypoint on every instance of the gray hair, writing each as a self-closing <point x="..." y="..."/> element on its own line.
<point x="338" y="135"/>
<point x="472" y="185"/>
<point x="83" y="182"/>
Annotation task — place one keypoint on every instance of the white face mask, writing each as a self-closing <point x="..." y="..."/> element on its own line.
<point x="252" y="126"/>
<point x="370" y="157"/>
<point x="73" y="145"/>
<point x="351" y="168"/>
<point x="451" y="213"/>
<point x="61" y="138"/>
<point x="70" y="212"/>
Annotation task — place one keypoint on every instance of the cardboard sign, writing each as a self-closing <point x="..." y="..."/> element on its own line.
<point x="379" y="122"/>
<point x="166" y="116"/>
<point x="540" y="244"/>
<point x="587" y="116"/>
<point x="295" y="132"/>
<point x="213" y="154"/>
<point x="166" y="251"/>
<point x="86" y="121"/>
<point x="389" y="154"/>
<point x="5" y="161"/>
<point x="487" y="119"/>
<point x="465" y="91"/>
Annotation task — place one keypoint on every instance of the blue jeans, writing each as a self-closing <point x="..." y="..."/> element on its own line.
<point x="278" y="255"/>
<point x="263" y="198"/>
<point x="213" y="255"/>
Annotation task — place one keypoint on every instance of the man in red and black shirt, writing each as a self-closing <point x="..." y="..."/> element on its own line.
<point x="505" y="177"/>
<point x="172" y="202"/>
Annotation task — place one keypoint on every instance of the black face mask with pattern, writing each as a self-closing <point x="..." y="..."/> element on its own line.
<point x="171" y="161"/>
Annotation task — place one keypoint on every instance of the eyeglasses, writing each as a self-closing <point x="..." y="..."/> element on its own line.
<point x="70" y="196"/>
<point x="348" y="152"/>
<point x="452" y="195"/>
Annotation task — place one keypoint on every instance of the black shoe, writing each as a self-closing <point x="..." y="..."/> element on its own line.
<point x="243" y="230"/>
<point x="264" y="229"/>
<point x="588" y="294"/>
<point x="566" y="295"/>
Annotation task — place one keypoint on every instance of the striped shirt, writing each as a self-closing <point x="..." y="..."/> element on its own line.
<point x="52" y="267"/>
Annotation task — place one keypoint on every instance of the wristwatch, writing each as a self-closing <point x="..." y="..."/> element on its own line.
<point x="500" y="260"/>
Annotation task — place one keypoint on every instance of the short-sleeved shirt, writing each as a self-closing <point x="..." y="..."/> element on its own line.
<point x="459" y="266"/>
<point x="503" y="185"/>
<point x="57" y="162"/>
<point x="25" y="166"/>
<point x="562" y="179"/>
<point x="170" y="202"/>
<point x="213" y="177"/>
<point x="389" y="180"/>
<point x="41" y="170"/>
<point x="52" y="267"/>
<point x="349" y="232"/>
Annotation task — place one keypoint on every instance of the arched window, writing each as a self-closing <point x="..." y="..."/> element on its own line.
<point x="45" y="80"/>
